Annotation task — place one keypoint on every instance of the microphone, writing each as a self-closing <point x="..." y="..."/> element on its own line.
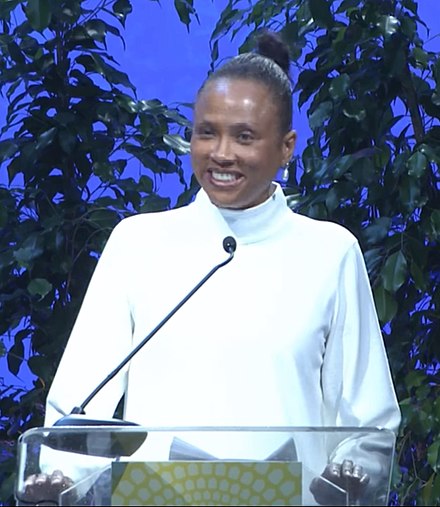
<point x="230" y="245"/>
<point x="75" y="418"/>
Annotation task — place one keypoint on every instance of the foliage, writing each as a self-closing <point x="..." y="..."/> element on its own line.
<point x="74" y="125"/>
<point x="372" y="94"/>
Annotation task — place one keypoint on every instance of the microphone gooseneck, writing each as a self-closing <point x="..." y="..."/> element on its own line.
<point x="229" y="245"/>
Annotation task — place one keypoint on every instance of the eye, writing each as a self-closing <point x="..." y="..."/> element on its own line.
<point x="245" y="137"/>
<point x="204" y="132"/>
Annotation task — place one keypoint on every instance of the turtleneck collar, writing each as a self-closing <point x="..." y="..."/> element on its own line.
<point x="254" y="224"/>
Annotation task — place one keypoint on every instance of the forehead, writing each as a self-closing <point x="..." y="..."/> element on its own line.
<point x="236" y="98"/>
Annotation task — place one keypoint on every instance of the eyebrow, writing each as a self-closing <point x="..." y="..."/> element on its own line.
<point x="234" y="126"/>
<point x="242" y="126"/>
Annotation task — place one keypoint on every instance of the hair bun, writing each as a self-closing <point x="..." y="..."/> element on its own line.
<point x="270" y="45"/>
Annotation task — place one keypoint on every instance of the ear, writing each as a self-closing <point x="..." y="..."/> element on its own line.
<point x="289" y="142"/>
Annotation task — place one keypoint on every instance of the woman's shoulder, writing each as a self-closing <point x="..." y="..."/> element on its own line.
<point x="148" y="220"/>
<point x="322" y="233"/>
<point x="144" y="230"/>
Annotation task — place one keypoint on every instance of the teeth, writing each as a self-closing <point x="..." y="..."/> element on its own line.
<point x="223" y="176"/>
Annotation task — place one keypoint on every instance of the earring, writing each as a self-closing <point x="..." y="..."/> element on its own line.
<point x="285" y="173"/>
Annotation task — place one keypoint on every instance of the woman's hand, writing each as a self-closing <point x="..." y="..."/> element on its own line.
<point x="44" y="489"/>
<point x="347" y="476"/>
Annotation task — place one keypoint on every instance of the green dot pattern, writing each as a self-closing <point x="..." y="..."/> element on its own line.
<point x="206" y="483"/>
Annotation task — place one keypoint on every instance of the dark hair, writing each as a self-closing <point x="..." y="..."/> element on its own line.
<point x="270" y="65"/>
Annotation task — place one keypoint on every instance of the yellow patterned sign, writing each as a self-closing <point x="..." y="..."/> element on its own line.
<point x="206" y="483"/>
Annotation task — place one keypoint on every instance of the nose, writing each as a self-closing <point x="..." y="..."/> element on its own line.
<point x="222" y="152"/>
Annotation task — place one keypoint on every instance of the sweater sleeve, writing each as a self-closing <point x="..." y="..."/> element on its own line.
<point x="357" y="386"/>
<point x="101" y="337"/>
<point x="356" y="380"/>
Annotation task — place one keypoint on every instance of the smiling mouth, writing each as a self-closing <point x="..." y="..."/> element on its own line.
<point x="225" y="178"/>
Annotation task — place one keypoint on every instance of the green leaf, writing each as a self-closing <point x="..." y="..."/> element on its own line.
<point x="421" y="57"/>
<point x="320" y="11"/>
<point x="386" y="305"/>
<point x="96" y="29"/>
<point x="39" y="365"/>
<point x="39" y="14"/>
<point x="417" y="164"/>
<point x="6" y="260"/>
<point x="8" y="483"/>
<point x="436" y="98"/>
<point x="364" y="171"/>
<point x="8" y="148"/>
<point x="430" y="150"/>
<point x="332" y="199"/>
<point x="377" y="231"/>
<point x="228" y="17"/>
<point x="434" y="221"/>
<point x="39" y="287"/>
<point x="394" y="271"/>
<point x="155" y="203"/>
<point x="414" y="379"/>
<point x="410" y="193"/>
<point x="187" y="196"/>
<point x="373" y="260"/>
<point x="45" y="138"/>
<point x="214" y="51"/>
<point x="185" y="10"/>
<point x="31" y="249"/>
<point x="177" y="143"/>
<point x="434" y="455"/>
<point x="103" y="170"/>
<point x="343" y="164"/>
<point x="122" y="8"/>
<point x="16" y="53"/>
<point x="339" y="87"/>
<point x="104" y="219"/>
<point x="2" y="348"/>
<point x="146" y="184"/>
<point x="353" y="109"/>
<point x="320" y="115"/>
<point x="94" y="63"/>
<point x="15" y="357"/>
<point x="68" y="141"/>
<point x="347" y="5"/>
<point x="408" y="27"/>
<point x="3" y="215"/>
<point x="417" y="275"/>
<point x="411" y="5"/>
<point x="130" y="105"/>
<point x="388" y="25"/>
<point x="431" y="490"/>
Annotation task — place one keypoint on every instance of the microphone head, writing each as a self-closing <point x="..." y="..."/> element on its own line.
<point x="108" y="438"/>
<point x="229" y="244"/>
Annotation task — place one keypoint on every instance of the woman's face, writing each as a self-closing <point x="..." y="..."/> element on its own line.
<point x="236" y="145"/>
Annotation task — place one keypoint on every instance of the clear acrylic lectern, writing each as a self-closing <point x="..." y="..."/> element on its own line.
<point x="133" y="465"/>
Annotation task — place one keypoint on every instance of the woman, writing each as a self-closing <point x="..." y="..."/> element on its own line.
<point x="284" y="335"/>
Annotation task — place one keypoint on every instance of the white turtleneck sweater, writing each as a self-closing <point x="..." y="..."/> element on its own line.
<point x="284" y="335"/>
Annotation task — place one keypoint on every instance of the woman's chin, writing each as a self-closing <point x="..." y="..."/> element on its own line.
<point x="235" y="198"/>
<point x="229" y="201"/>
<point x="224" y="197"/>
